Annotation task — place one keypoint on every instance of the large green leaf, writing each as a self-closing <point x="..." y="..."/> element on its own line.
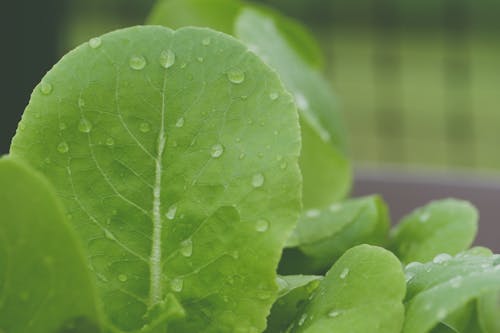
<point x="322" y="236"/>
<point x="45" y="285"/>
<point x="444" y="226"/>
<point x="294" y="292"/>
<point x="179" y="170"/>
<point x="281" y="43"/>
<point x="324" y="164"/>
<point x="362" y="292"/>
<point x="438" y="289"/>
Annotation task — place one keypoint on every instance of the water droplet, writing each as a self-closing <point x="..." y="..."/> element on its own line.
<point x="301" y="101"/>
<point x="413" y="264"/>
<point x="137" y="62"/>
<point x="200" y="59"/>
<point x="424" y="217"/>
<point x="62" y="126"/>
<point x="335" y="207"/>
<point x="313" y="213"/>
<point x="176" y="285"/>
<point x="441" y="258"/>
<point x="344" y="273"/>
<point x="263" y="295"/>
<point x="274" y="96"/>
<point x="334" y="313"/>
<point x="110" y="142"/>
<point x="63" y="148"/>
<point x="184" y="65"/>
<point x="145" y="127"/>
<point x="172" y="210"/>
<point x="217" y="150"/>
<point x="242" y="156"/>
<point x="167" y="58"/>
<point x="47" y="160"/>
<point x="85" y="126"/>
<point x="441" y="314"/>
<point x="95" y="42"/>
<point x="122" y="278"/>
<point x="45" y="88"/>
<point x="109" y="235"/>
<point x="236" y="76"/>
<point x="187" y="248"/>
<point x="258" y="180"/>
<point x="262" y="225"/>
<point x="180" y="122"/>
<point x="282" y="284"/>
<point x="325" y="136"/>
<point x="206" y="41"/>
<point x="409" y="276"/>
<point x="302" y="319"/>
<point x="81" y="102"/>
<point x="22" y="127"/>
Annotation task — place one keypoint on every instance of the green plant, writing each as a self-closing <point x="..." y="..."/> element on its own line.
<point x="161" y="174"/>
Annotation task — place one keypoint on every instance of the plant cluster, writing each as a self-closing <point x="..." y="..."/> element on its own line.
<point x="195" y="180"/>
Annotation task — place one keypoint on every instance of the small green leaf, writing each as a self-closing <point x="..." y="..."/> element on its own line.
<point x="294" y="292"/>
<point x="322" y="236"/>
<point x="361" y="293"/>
<point x="168" y="153"/>
<point x="488" y="308"/>
<point x="437" y="290"/>
<point x="324" y="163"/>
<point x="45" y="286"/>
<point x="445" y="226"/>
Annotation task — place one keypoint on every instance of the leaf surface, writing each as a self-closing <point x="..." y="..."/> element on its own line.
<point x="324" y="163"/>
<point x="294" y="292"/>
<point x="438" y="289"/>
<point x="179" y="171"/>
<point x="322" y="236"/>
<point x="361" y="293"/>
<point x="45" y="285"/>
<point x="444" y="226"/>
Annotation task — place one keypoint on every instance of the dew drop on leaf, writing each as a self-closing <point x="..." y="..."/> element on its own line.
<point x="273" y="96"/>
<point x="167" y="58"/>
<point x="258" y="180"/>
<point x="62" y="126"/>
<point x="344" y="273"/>
<point x="145" y="127"/>
<point x="242" y="156"/>
<point x="441" y="258"/>
<point x="333" y="314"/>
<point x="172" y="211"/>
<point x="302" y="319"/>
<point x="176" y="285"/>
<point x="217" y="150"/>
<point x="301" y="101"/>
<point x="187" y="248"/>
<point x="110" y="142"/>
<point x="200" y="59"/>
<point x="122" y="278"/>
<point x="236" y="76"/>
<point x="206" y="41"/>
<point x="312" y="213"/>
<point x="85" y="126"/>
<point x="137" y="62"/>
<point x="46" y="88"/>
<point x="262" y="225"/>
<point x="95" y="42"/>
<point x="283" y="165"/>
<point x="180" y="122"/>
<point x="63" y="148"/>
<point x="424" y="217"/>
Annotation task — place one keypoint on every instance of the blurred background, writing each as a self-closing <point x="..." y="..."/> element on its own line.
<point x="418" y="83"/>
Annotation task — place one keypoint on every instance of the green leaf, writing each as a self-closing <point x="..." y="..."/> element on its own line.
<point x="488" y="308"/>
<point x="444" y="226"/>
<point x="322" y="236"/>
<point x="294" y="292"/>
<point x="324" y="163"/>
<point x="45" y="286"/>
<point x="361" y="293"/>
<point x="283" y="44"/>
<point x="444" y="286"/>
<point x="179" y="171"/>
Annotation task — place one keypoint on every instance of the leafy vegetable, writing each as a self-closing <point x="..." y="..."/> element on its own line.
<point x="324" y="164"/>
<point x="446" y="226"/>
<point x="45" y="286"/>
<point x="363" y="292"/>
<point x="322" y="236"/>
<point x="179" y="169"/>
<point x="446" y="284"/>
<point x="294" y="291"/>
